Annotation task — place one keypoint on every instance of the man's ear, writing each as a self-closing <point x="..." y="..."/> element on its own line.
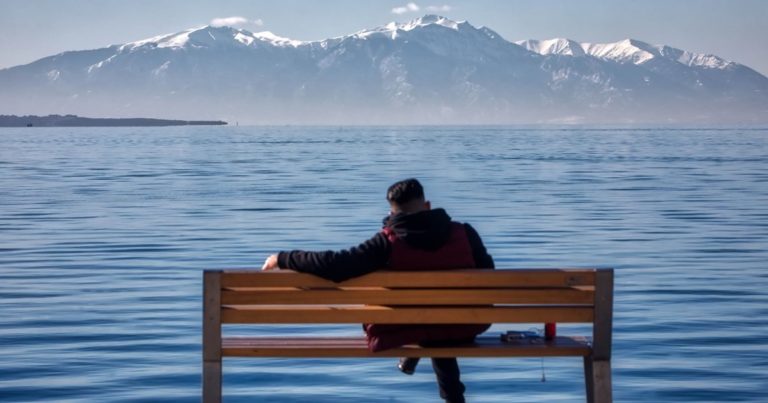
<point x="428" y="205"/>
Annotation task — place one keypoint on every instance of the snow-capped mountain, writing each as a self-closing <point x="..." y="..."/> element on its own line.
<point x="428" y="70"/>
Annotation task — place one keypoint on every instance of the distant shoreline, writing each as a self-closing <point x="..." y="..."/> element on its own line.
<point x="78" y="121"/>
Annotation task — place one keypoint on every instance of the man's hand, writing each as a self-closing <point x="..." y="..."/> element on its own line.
<point x="270" y="263"/>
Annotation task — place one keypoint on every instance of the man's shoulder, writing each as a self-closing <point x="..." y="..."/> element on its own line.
<point x="467" y="227"/>
<point x="472" y="234"/>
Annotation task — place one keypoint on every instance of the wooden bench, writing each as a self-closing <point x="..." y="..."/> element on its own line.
<point x="455" y="296"/>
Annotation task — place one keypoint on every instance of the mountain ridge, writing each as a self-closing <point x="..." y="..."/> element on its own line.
<point x="427" y="70"/>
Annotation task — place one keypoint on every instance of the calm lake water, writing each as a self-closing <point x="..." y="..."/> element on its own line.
<point x="104" y="234"/>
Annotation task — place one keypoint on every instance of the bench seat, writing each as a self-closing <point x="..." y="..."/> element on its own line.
<point x="328" y="347"/>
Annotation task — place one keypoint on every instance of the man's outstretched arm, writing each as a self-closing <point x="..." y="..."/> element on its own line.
<point x="335" y="265"/>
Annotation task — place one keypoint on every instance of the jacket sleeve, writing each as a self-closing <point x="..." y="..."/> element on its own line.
<point x="479" y="254"/>
<point x="341" y="265"/>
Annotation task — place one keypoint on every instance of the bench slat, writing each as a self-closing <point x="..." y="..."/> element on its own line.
<point x="382" y="314"/>
<point x="408" y="296"/>
<point x="527" y="278"/>
<point x="356" y="347"/>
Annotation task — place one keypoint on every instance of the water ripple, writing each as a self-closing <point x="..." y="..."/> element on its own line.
<point x="104" y="232"/>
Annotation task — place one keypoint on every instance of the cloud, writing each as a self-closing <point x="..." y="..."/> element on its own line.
<point x="413" y="7"/>
<point x="233" y="21"/>
<point x="408" y="8"/>
<point x="440" y="9"/>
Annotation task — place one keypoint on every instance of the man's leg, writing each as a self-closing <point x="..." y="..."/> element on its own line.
<point x="407" y="365"/>
<point x="447" y="372"/>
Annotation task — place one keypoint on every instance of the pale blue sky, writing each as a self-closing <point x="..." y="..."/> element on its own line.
<point x="733" y="29"/>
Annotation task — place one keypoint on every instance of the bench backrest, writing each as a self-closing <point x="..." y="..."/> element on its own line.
<point x="453" y="296"/>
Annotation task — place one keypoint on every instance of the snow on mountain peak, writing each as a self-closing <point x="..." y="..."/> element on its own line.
<point x="391" y="30"/>
<point x="210" y="36"/>
<point x="557" y="46"/>
<point x="268" y="36"/>
<point x="639" y="52"/>
<point x="178" y="39"/>
<point x="624" y="51"/>
<point x="430" y="19"/>
<point x="693" y="59"/>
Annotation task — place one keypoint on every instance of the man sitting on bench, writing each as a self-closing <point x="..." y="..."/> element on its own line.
<point x="414" y="237"/>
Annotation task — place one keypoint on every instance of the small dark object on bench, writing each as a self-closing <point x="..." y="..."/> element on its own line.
<point x="512" y="335"/>
<point x="453" y="296"/>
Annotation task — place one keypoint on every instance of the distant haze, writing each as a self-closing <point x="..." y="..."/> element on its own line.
<point x="431" y="70"/>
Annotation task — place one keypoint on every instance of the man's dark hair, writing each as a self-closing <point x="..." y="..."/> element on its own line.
<point x="404" y="191"/>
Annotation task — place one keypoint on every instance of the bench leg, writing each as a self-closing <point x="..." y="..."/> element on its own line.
<point x="212" y="381"/>
<point x="597" y="376"/>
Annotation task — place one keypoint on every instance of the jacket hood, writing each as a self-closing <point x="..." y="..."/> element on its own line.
<point x="429" y="229"/>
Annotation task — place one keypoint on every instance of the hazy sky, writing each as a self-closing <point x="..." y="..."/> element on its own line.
<point x="733" y="29"/>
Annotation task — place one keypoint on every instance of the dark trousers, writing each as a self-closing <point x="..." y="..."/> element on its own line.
<point x="446" y="370"/>
<point x="448" y="379"/>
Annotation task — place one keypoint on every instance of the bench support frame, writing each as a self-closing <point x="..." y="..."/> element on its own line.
<point x="212" y="337"/>
<point x="597" y="367"/>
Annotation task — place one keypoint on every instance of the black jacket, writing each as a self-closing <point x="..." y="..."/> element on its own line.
<point x="428" y="229"/>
